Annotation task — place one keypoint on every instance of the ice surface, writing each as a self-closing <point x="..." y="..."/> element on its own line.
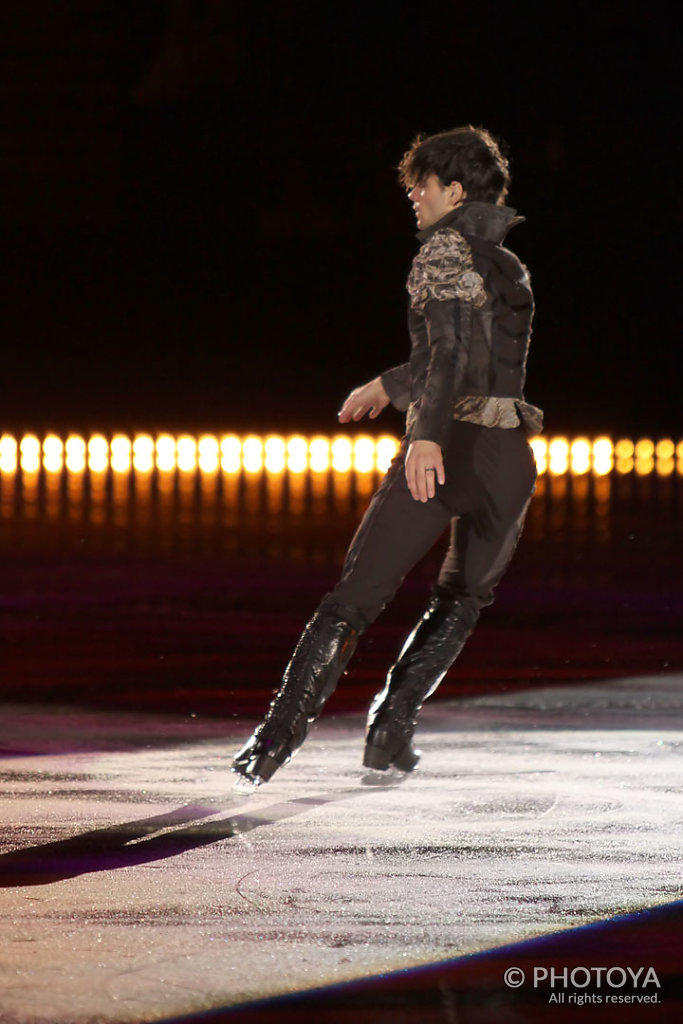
<point x="137" y="885"/>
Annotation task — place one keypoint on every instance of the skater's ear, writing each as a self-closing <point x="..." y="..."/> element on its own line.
<point x="456" y="193"/>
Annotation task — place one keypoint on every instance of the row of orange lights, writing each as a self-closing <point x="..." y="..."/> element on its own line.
<point x="188" y="453"/>
<point x="230" y="453"/>
<point x="602" y="455"/>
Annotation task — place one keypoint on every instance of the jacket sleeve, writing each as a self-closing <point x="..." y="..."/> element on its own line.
<point x="396" y="383"/>
<point x="448" y="328"/>
<point x="444" y="287"/>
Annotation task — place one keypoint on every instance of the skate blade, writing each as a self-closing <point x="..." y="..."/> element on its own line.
<point x="392" y="776"/>
<point x="245" y="786"/>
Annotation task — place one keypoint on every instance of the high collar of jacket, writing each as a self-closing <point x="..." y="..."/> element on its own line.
<point x="475" y="218"/>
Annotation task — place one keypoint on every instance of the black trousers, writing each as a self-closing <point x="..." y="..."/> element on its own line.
<point x="490" y="477"/>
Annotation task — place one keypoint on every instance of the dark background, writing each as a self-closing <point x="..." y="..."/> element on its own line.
<point x="203" y="227"/>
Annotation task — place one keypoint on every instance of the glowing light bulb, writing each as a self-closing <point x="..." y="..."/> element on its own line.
<point x="29" y="449"/>
<point x="387" y="447"/>
<point x="644" y="449"/>
<point x="75" y="448"/>
<point x="603" y="456"/>
<point x="98" y="453"/>
<point x="276" y="450"/>
<point x="665" y="467"/>
<point x="186" y="449"/>
<point x="143" y="453"/>
<point x="665" y="449"/>
<point x="252" y="454"/>
<point x="341" y="454"/>
<point x="164" y="448"/>
<point x="231" y="453"/>
<point x="120" y="449"/>
<point x="603" y="466"/>
<point x="53" y="454"/>
<point x="319" y="454"/>
<point x="209" y="453"/>
<point x="364" y="455"/>
<point x="603" y="448"/>
<point x="623" y="449"/>
<point x="644" y="452"/>
<point x="644" y="466"/>
<point x="8" y="453"/>
<point x="297" y="454"/>
<point x="539" y="447"/>
<point x="558" y="451"/>
<point x="580" y="451"/>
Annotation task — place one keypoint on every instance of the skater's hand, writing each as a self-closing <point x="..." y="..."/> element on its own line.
<point x="424" y="467"/>
<point x="370" y="397"/>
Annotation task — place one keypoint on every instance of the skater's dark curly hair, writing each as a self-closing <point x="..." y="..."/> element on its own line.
<point x="468" y="155"/>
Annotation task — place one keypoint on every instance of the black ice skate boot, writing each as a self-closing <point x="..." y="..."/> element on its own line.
<point x="321" y="655"/>
<point x="427" y="654"/>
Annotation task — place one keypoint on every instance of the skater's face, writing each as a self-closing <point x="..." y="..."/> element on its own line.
<point x="431" y="200"/>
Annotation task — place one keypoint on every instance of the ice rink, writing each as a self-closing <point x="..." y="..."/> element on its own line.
<point x="138" y="887"/>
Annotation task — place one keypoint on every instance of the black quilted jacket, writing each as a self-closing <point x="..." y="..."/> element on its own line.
<point x="469" y="322"/>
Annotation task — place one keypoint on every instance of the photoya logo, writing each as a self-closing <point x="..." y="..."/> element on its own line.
<point x="641" y="983"/>
<point x="599" y="977"/>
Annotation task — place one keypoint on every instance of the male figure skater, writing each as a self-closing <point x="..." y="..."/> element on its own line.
<point x="464" y="462"/>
